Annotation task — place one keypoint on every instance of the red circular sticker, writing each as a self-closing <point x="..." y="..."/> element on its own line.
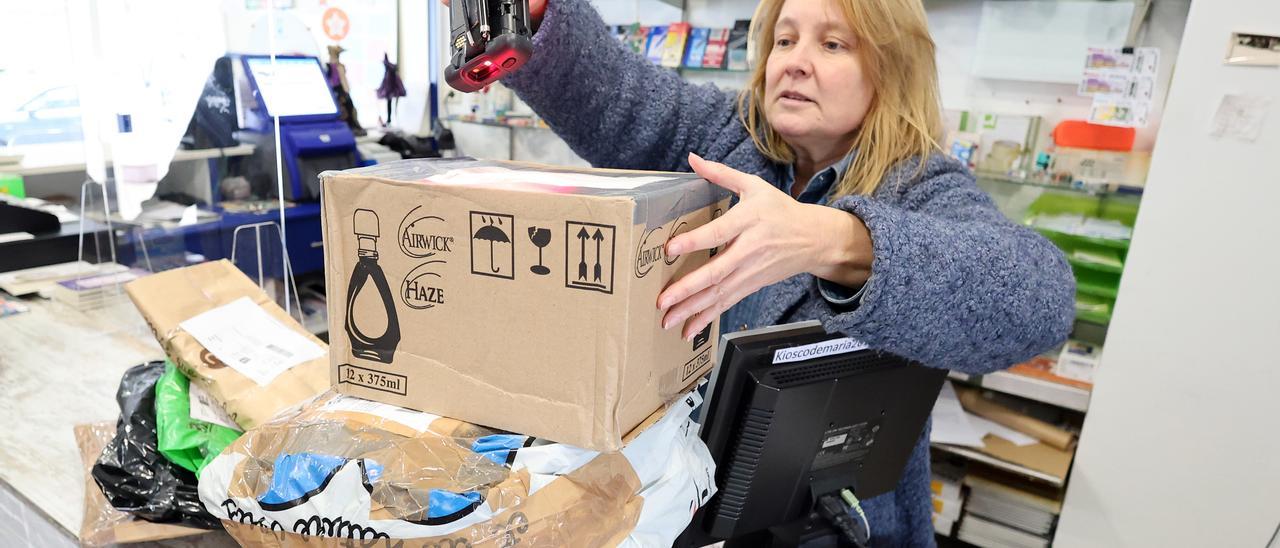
<point x="336" y="24"/>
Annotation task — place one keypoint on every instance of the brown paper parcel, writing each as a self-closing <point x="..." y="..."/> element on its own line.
<point x="513" y="295"/>
<point x="169" y="298"/>
<point x="346" y="468"/>
<point x="102" y="524"/>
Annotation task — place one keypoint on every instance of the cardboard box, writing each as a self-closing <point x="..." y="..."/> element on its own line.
<point x="516" y="296"/>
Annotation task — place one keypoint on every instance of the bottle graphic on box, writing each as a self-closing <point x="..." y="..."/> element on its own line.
<point x="382" y="347"/>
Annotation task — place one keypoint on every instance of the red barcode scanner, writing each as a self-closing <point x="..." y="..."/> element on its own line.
<point x="489" y="38"/>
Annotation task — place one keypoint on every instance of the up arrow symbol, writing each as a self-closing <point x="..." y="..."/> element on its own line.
<point x="583" y="236"/>
<point x="599" y="237"/>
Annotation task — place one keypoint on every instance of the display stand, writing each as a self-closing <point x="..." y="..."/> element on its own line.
<point x="106" y="218"/>
<point x="289" y="281"/>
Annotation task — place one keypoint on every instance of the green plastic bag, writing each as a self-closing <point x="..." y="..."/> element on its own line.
<point x="185" y="441"/>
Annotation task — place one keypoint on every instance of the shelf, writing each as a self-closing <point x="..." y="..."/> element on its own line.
<point x="1006" y="179"/>
<point x="69" y="158"/>
<point x="1097" y="318"/>
<point x="706" y="69"/>
<point x="1052" y="393"/>
<point x="1100" y="267"/>
<point x="1091" y="329"/>
<point x="975" y="455"/>
<point x="496" y="123"/>
<point x="1097" y="290"/>
<point x="1104" y="242"/>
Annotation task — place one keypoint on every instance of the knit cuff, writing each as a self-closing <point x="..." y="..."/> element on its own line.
<point x="841" y="298"/>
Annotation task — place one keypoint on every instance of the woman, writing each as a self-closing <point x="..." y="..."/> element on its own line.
<point x="847" y="211"/>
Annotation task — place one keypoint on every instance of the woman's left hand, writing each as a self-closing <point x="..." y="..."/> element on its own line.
<point x="770" y="237"/>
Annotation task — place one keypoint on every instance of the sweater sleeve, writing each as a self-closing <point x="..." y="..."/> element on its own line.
<point x="954" y="283"/>
<point x="613" y="107"/>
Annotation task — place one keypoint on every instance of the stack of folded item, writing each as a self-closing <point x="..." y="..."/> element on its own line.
<point x="97" y="291"/>
<point x="344" y="467"/>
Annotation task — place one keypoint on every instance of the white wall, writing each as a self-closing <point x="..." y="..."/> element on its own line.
<point x="646" y="12"/>
<point x="299" y="30"/>
<point x="412" y="114"/>
<point x="1181" y="446"/>
<point x="954" y="25"/>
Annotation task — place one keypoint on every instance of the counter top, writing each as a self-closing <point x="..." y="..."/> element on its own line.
<point x="60" y="367"/>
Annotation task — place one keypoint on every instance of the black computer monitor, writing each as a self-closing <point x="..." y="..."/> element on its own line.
<point x="793" y="413"/>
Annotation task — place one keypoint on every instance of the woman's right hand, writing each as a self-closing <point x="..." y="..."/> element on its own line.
<point x="536" y="9"/>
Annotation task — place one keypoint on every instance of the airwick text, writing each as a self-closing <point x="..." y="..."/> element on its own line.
<point x="427" y="243"/>
<point x="653" y="246"/>
<point x="420" y="235"/>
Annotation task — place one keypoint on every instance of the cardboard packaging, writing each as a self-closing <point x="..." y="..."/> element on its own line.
<point x="516" y="296"/>
<point x="169" y="298"/>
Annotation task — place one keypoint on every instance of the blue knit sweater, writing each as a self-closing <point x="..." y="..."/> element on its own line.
<point x="954" y="283"/>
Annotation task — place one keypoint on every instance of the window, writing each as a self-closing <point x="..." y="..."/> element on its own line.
<point x="38" y="102"/>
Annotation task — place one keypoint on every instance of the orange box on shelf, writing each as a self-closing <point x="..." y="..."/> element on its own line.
<point x="1082" y="134"/>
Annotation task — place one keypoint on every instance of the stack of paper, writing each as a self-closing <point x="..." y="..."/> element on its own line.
<point x="43" y="278"/>
<point x="96" y="291"/>
<point x="948" y="497"/>
<point x="980" y="532"/>
<point x="1005" y="511"/>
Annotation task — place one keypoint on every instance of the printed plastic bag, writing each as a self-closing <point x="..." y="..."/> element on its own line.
<point x="131" y="472"/>
<point x="342" y="467"/>
<point x="185" y="441"/>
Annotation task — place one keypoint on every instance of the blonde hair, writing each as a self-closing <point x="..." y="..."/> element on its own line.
<point x="904" y="120"/>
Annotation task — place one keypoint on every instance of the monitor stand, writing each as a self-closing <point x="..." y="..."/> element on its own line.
<point x="810" y="531"/>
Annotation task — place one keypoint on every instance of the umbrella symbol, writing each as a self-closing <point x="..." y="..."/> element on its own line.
<point x="492" y="234"/>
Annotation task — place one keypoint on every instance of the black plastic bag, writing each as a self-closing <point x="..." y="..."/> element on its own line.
<point x="132" y="473"/>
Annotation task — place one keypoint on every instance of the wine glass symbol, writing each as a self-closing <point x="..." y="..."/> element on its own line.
<point x="540" y="237"/>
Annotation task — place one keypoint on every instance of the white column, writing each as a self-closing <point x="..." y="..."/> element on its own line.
<point x="1181" y="445"/>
